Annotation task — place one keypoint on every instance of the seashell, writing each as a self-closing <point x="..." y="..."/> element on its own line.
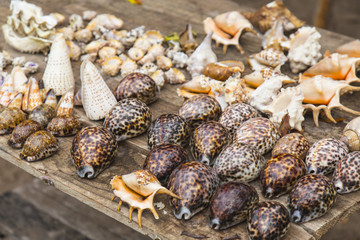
<point x="269" y="57"/>
<point x="174" y="76"/>
<point x="128" y="66"/>
<point x="351" y="133"/>
<point x="164" y="159"/>
<point x="324" y="155"/>
<point x="83" y="35"/>
<point x="129" y="118"/>
<point x="16" y="101"/>
<point x="147" y="69"/>
<point x="350" y="48"/>
<point x="239" y="162"/>
<point x="202" y="56"/>
<point x="97" y="99"/>
<point x="95" y="46"/>
<point x="135" y="53"/>
<point x="64" y="125"/>
<point x="68" y="32"/>
<point x="30" y="67"/>
<point x="88" y="57"/>
<point x="75" y="51"/>
<point x="32" y="97"/>
<point x="231" y="204"/>
<point x="259" y="133"/>
<point x="116" y="44"/>
<point x="200" y="108"/>
<point x="195" y="184"/>
<point x="76" y="22"/>
<point x="153" y="36"/>
<point x="10" y="118"/>
<point x="8" y="85"/>
<point x="18" y="61"/>
<point x="77" y="98"/>
<point x="187" y="41"/>
<point x="311" y="197"/>
<point x="66" y="104"/>
<point x="168" y="128"/>
<point x="280" y="174"/>
<point x="58" y="17"/>
<point x="111" y="66"/>
<point x="179" y="59"/>
<point x="42" y="114"/>
<point x="22" y="131"/>
<point x="266" y="17"/>
<point x="142" y="43"/>
<point x="223" y="70"/>
<point x="258" y="77"/>
<point x="274" y="37"/>
<point x="50" y="98"/>
<point x="5" y="59"/>
<point x="236" y="114"/>
<point x="89" y="15"/>
<point x="92" y="151"/>
<point x="293" y="143"/>
<point x="159" y="78"/>
<point x="151" y="55"/>
<point x="268" y="220"/>
<point x="58" y="73"/>
<point x="207" y="141"/>
<point x="137" y="85"/>
<point x="5" y="98"/>
<point x="164" y="63"/>
<point x="106" y="52"/>
<point x="235" y="90"/>
<point x="199" y="84"/>
<point x="353" y="75"/>
<point x="346" y="177"/>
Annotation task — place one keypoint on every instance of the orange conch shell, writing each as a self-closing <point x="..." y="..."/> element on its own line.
<point x="199" y="84"/>
<point x="66" y="104"/>
<point x="353" y="75"/>
<point x="352" y="49"/>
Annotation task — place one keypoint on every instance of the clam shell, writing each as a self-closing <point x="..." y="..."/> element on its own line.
<point x="64" y="125"/>
<point x="22" y="131"/>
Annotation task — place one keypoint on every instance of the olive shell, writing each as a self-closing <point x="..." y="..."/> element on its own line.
<point x="42" y="114"/>
<point x="65" y="125"/>
<point x="346" y="177"/>
<point x="22" y="131"/>
<point x="294" y="143"/>
<point x="9" y="118"/>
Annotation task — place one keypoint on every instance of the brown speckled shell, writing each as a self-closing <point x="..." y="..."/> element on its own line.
<point x="280" y="174"/>
<point x="260" y="133"/>
<point x="129" y="118"/>
<point x="43" y="114"/>
<point x="294" y="143"/>
<point x="311" y="197"/>
<point x="92" y="151"/>
<point x="346" y="177"/>
<point x="195" y="183"/>
<point x="238" y="162"/>
<point x="9" y="118"/>
<point x="268" y="221"/>
<point x="324" y="155"/>
<point x="231" y="203"/>
<point x="200" y="108"/>
<point x="168" y="128"/>
<point x="163" y="159"/>
<point x="22" y="131"/>
<point x="236" y="114"/>
<point x="39" y="145"/>
<point x="137" y="85"/>
<point x="207" y="141"/>
<point x="65" y="125"/>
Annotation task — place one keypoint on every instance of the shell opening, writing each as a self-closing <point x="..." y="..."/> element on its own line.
<point x="184" y="212"/>
<point x="215" y="224"/>
<point x="312" y="170"/>
<point x="268" y="193"/>
<point x="296" y="216"/>
<point x="205" y="159"/>
<point x="86" y="172"/>
<point x="339" y="186"/>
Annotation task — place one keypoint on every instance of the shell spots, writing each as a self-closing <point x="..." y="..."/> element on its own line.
<point x="293" y="143"/>
<point x="346" y="177"/>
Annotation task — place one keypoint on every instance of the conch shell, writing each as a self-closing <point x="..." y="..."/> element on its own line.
<point x="138" y="189"/>
<point x="352" y="49"/>
<point x="256" y="78"/>
<point x="274" y="36"/>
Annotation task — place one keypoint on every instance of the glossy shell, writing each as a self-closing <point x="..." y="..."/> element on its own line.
<point x="200" y="108"/>
<point x="207" y="141"/>
<point x="65" y="125"/>
<point x="351" y="134"/>
<point x="346" y="177"/>
<point x="22" y="131"/>
<point x="231" y="204"/>
<point x="129" y="118"/>
<point x="42" y="114"/>
<point x="92" y="151"/>
<point x="238" y="162"/>
<point x="260" y="133"/>
<point x="39" y="145"/>
<point x="311" y="197"/>
<point x="324" y="155"/>
<point x="9" y="118"/>
<point x="223" y="70"/>
<point x="163" y="159"/>
<point x="268" y="221"/>
<point x="280" y="174"/>
<point x="168" y="128"/>
<point x="137" y="85"/>
<point x="293" y="143"/>
<point x="194" y="183"/>
<point x="236" y="114"/>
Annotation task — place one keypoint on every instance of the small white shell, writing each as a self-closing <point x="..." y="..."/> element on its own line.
<point x="107" y="52"/>
<point x="89" y="15"/>
<point x="148" y="69"/>
<point x="5" y="59"/>
<point x="68" y="32"/>
<point x="19" y="61"/>
<point x="135" y="53"/>
<point x="30" y="67"/>
<point x="83" y="35"/>
<point x="90" y="57"/>
<point x="175" y="76"/>
<point x="76" y="22"/>
<point x="269" y="57"/>
<point x="153" y="52"/>
<point x="19" y="78"/>
<point x="95" y="46"/>
<point x="142" y="43"/>
<point x="128" y="66"/>
<point x="179" y="59"/>
<point x="74" y="50"/>
<point x="111" y="66"/>
<point x="108" y="21"/>
<point x="159" y="77"/>
<point x="164" y="63"/>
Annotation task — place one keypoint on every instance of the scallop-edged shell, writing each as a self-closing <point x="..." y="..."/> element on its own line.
<point x="268" y="220"/>
<point x="164" y="159"/>
<point x="22" y="131"/>
<point x="351" y="134"/>
<point x="346" y="177"/>
<point x="194" y="183"/>
<point x="269" y="57"/>
<point x="38" y="146"/>
<point x="97" y="99"/>
<point x="129" y="118"/>
<point x="351" y="48"/>
<point x="259" y="133"/>
<point x="293" y="143"/>
<point x="64" y="125"/>
<point x="223" y="70"/>
<point x="137" y="85"/>
<point x="92" y="151"/>
<point x="280" y="174"/>
<point x="238" y="162"/>
<point x="168" y="128"/>
<point x="207" y="141"/>
<point x="43" y="114"/>
<point x="311" y="197"/>
<point x="324" y="155"/>
<point x="58" y="73"/>
<point x="10" y="118"/>
<point x="231" y="204"/>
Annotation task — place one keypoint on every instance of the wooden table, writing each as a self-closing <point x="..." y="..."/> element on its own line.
<point x="166" y="16"/>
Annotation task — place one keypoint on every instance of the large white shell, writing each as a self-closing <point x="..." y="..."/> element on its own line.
<point x="96" y="97"/>
<point x="58" y="73"/>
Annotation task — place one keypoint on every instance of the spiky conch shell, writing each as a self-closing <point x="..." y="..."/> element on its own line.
<point x="58" y="73"/>
<point x="96" y="97"/>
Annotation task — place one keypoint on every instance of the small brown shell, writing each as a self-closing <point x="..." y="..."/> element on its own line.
<point x="294" y="143"/>
<point x="22" y="131"/>
<point x="9" y="118"/>
<point x="65" y="125"/>
<point x="223" y="70"/>
<point x="43" y="114"/>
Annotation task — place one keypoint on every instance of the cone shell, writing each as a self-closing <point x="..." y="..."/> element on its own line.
<point x="66" y="104"/>
<point x="346" y="177"/>
<point x="64" y="125"/>
<point x="32" y="97"/>
<point x="50" y="98"/>
<point x="19" y="78"/>
<point x="22" y="131"/>
<point x="294" y="143"/>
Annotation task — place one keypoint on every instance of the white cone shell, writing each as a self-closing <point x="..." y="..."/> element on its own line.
<point x="96" y="97"/>
<point x="58" y="73"/>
